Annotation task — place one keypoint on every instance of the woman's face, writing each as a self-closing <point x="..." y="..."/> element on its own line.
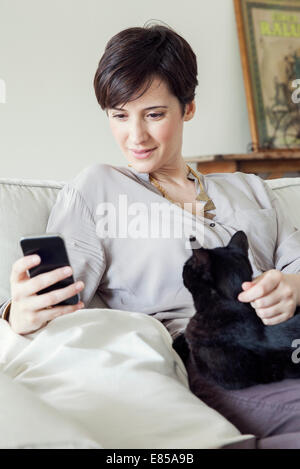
<point x="137" y="127"/>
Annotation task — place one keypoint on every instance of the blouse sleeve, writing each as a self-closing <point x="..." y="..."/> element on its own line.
<point x="287" y="250"/>
<point x="72" y="219"/>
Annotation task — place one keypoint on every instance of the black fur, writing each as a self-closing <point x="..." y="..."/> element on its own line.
<point x="228" y="342"/>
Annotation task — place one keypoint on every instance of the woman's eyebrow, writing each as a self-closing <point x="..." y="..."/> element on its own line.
<point x="146" y="108"/>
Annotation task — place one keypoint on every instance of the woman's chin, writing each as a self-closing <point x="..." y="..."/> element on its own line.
<point x="142" y="166"/>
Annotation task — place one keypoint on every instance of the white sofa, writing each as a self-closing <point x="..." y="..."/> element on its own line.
<point x="135" y="395"/>
<point x="25" y="206"/>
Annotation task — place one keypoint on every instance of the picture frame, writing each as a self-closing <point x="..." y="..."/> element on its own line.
<point x="269" y="40"/>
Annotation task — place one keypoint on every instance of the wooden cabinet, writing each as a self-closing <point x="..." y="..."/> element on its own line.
<point x="274" y="164"/>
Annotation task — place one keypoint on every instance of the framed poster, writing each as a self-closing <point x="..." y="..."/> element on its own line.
<point x="269" y="39"/>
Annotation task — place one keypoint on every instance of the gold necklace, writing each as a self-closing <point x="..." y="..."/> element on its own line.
<point x="209" y="205"/>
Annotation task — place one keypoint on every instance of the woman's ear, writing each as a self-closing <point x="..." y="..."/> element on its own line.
<point x="190" y="109"/>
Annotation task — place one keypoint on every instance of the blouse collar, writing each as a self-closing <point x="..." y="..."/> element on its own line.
<point x="145" y="176"/>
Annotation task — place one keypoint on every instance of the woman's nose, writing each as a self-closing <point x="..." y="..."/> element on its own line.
<point x="137" y="133"/>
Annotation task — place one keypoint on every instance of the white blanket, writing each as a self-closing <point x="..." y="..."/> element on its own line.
<point x="101" y="378"/>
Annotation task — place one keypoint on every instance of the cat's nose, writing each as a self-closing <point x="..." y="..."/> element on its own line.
<point x="194" y="243"/>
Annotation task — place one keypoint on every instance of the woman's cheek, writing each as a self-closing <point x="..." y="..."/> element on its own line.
<point x="165" y="132"/>
<point x="118" y="134"/>
<point x="114" y="129"/>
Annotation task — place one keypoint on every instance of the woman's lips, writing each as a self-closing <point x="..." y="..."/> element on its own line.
<point x="145" y="154"/>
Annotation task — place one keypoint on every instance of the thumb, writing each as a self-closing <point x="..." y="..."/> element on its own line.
<point x="247" y="285"/>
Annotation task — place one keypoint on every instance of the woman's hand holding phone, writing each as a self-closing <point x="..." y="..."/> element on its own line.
<point x="30" y="311"/>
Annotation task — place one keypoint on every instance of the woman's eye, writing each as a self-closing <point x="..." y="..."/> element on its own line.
<point x="152" y="115"/>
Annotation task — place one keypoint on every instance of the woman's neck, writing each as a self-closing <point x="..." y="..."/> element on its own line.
<point x="172" y="174"/>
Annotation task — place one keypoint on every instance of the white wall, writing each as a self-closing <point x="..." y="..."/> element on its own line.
<point x="51" y="125"/>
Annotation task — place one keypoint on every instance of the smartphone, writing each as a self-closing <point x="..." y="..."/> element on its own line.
<point x="53" y="253"/>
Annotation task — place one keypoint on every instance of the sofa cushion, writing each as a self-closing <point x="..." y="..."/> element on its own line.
<point x="25" y="206"/>
<point x="24" y="210"/>
<point x="287" y="190"/>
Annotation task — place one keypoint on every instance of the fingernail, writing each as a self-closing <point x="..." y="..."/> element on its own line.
<point x="35" y="258"/>
<point x="67" y="270"/>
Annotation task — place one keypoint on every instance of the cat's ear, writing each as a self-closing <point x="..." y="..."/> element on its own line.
<point x="202" y="257"/>
<point x="239" y="240"/>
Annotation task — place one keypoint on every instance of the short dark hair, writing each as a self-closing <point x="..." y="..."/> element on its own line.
<point x="135" y="56"/>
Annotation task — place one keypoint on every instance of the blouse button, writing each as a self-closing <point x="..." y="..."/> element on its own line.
<point x="212" y="224"/>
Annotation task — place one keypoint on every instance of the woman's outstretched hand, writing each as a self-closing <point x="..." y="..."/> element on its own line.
<point x="273" y="294"/>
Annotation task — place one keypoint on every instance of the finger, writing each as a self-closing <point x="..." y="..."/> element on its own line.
<point x="282" y="307"/>
<point x="38" y="302"/>
<point x="38" y="319"/>
<point x="267" y="301"/>
<point x="268" y="313"/>
<point x="247" y="285"/>
<point x="276" y="319"/>
<point x="47" y="315"/>
<point x="20" y="267"/>
<point x="263" y="287"/>
<point x="41" y="281"/>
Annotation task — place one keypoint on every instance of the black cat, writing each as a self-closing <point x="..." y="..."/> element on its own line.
<point x="228" y="342"/>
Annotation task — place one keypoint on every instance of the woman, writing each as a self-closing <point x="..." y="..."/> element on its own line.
<point x="146" y="82"/>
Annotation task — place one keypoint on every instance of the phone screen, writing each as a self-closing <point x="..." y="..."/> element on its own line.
<point x="53" y="254"/>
